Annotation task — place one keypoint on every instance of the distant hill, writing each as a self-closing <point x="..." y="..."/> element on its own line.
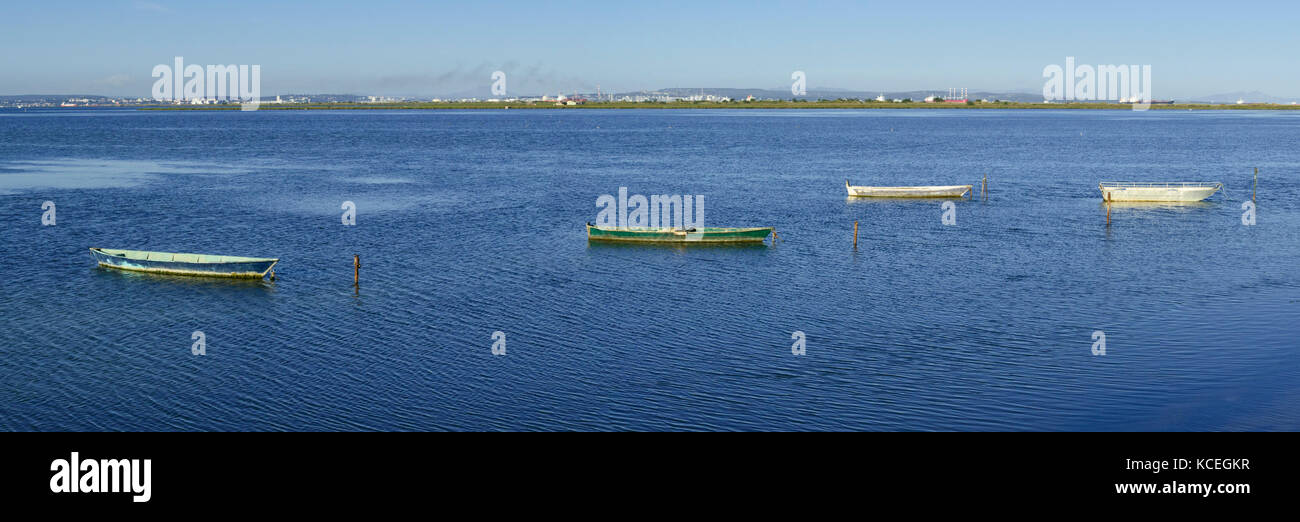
<point x="52" y="98"/>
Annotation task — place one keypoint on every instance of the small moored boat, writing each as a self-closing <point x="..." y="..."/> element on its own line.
<point x="1177" y="192"/>
<point x="934" y="191"/>
<point x="184" y="264"/>
<point x="677" y="235"/>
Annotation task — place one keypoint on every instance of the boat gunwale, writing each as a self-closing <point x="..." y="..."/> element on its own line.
<point x="664" y="230"/>
<point x="922" y="187"/>
<point x="225" y="259"/>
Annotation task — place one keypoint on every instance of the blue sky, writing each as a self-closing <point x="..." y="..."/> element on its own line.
<point x="431" y="48"/>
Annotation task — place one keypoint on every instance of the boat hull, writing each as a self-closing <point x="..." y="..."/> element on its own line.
<point x="1169" y="193"/>
<point x="937" y="191"/>
<point x="671" y="235"/>
<point x="200" y="265"/>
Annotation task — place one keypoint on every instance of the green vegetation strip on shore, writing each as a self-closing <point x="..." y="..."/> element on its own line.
<point x="828" y="104"/>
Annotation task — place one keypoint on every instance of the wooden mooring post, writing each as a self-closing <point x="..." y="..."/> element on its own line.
<point x="855" y="235"/>
<point x="356" y="270"/>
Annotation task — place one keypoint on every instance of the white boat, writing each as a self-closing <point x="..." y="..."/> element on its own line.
<point x="1176" y="192"/>
<point x="935" y="191"/>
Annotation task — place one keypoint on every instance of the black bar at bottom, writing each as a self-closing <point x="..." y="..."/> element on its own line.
<point x="326" y="470"/>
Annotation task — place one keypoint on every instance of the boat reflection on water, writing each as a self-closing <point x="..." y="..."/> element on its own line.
<point x="682" y="247"/>
<point x="1147" y="209"/>
<point x="180" y="281"/>
<point x="858" y="200"/>
<point x="1139" y="206"/>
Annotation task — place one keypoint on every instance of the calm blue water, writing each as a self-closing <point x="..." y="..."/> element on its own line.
<point x="471" y="222"/>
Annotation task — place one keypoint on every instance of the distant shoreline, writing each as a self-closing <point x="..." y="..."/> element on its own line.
<point x="721" y="105"/>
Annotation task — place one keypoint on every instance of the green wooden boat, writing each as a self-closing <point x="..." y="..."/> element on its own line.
<point x="676" y="235"/>
<point x="184" y="264"/>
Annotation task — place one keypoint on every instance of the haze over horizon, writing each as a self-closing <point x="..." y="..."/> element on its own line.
<point x="392" y="49"/>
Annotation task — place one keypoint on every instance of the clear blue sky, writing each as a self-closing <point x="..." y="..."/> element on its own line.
<point x="423" y="48"/>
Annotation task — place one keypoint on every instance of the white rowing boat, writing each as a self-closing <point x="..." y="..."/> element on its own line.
<point x="1176" y="192"/>
<point x="934" y="191"/>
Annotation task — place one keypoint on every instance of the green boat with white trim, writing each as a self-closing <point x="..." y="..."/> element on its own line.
<point x="184" y="264"/>
<point x="677" y="235"/>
